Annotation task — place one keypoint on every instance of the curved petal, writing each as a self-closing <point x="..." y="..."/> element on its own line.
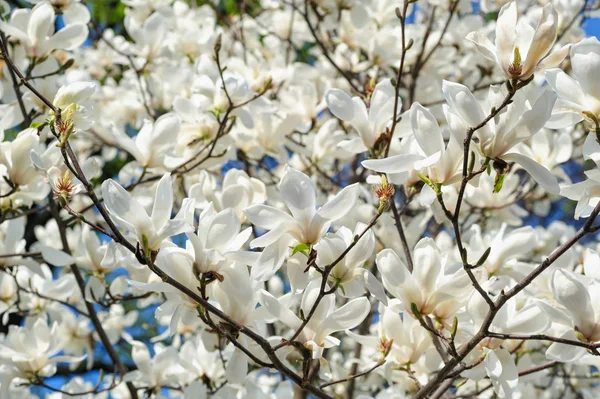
<point x="394" y="164"/>
<point x="341" y="204"/>
<point x="426" y="130"/>
<point x="163" y="202"/>
<point x="505" y="35"/>
<point x="340" y="104"/>
<point x="585" y="60"/>
<point x="540" y="174"/>
<point x="299" y="194"/>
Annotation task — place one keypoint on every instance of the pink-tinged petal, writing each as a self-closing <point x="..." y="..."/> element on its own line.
<point x="539" y="173"/>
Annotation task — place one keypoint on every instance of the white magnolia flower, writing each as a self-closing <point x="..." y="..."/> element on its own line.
<point x="326" y="320"/>
<point x="131" y="215"/>
<point x="371" y="122"/>
<point x="578" y="97"/>
<point x="155" y="372"/>
<point x="30" y="350"/>
<point x="578" y="296"/>
<point x="35" y="31"/>
<point x="519" y="49"/>
<point x="521" y="119"/>
<point x="152" y="141"/>
<point x="218" y="236"/>
<point x="306" y="225"/>
<point x="433" y="287"/>
<point x="349" y="273"/>
<point x="73" y="101"/>
<point x="440" y="162"/>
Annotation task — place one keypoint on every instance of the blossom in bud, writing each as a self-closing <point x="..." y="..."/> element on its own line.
<point x="73" y="101"/>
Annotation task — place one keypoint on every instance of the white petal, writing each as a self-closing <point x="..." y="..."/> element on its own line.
<point x="426" y="130"/>
<point x="585" y="61"/>
<point x="505" y="34"/>
<point x="394" y="164"/>
<point x="341" y="204"/>
<point x="543" y="40"/>
<point x="540" y="174"/>
<point x="267" y="217"/>
<point x="55" y="257"/>
<point x="463" y="102"/>
<point x="163" y="202"/>
<point x="340" y="104"/>
<point x="502" y="371"/>
<point x="484" y="45"/>
<point x="299" y="194"/>
<point x="68" y="38"/>
<point x="348" y="316"/>
<point x="574" y="296"/>
<point x="283" y="314"/>
<point x="125" y="209"/>
<point x="563" y="352"/>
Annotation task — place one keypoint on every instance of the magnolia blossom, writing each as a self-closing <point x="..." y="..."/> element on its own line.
<point x="522" y="119"/>
<point x="151" y="140"/>
<point x="432" y="288"/>
<point x="371" y="122"/>
<point x="578" y="98"/>
<point x="31" y="350"/>
<point x="519" y="49"/>
<point x="326" y="319"/>
<point x="150" y="230"/>
<point x="35" y="31"/>
<point x="441" y="163"/>
<point x="306" y="225"/>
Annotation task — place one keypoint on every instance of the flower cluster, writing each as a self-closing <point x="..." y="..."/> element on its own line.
<point x="276" y="199"/>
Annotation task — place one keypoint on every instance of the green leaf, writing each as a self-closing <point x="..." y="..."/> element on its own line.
<point x="302" y="248"/>
<point x="498" y="182"/>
